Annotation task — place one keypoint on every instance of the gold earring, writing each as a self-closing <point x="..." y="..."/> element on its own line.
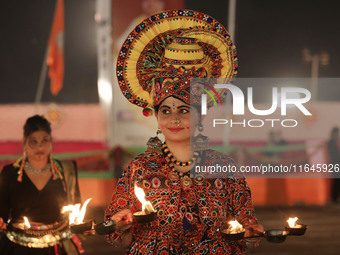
<point x="21" y="169"/>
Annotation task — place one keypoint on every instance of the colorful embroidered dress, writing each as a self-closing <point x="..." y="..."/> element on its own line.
<point x="189" y="219"/>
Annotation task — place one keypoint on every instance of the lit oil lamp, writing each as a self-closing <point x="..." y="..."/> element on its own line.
<point x="76" y="217"/>
<point x="294" y="228"/>
<point x="37" y="234"/>
<point x="27" y="223"/>
<point x="234" y="232"/>
<point x="148" y="213"/>
<point x="22" y="225"/>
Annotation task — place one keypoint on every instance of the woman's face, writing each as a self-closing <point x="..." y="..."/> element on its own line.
<point x="38" y="145"/>
<point x="174" y="119"/>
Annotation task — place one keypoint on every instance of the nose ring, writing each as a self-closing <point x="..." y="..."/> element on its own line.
<point x="178" y="121"/>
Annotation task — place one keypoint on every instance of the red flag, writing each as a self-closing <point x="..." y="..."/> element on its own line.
<point x="55" y="57"/>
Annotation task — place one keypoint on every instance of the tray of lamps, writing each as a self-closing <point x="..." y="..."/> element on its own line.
<point x="236" y="232"/>
<point x="36" y="234"/>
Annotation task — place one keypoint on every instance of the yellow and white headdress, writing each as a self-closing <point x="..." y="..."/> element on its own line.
<point x="166" y="50"/>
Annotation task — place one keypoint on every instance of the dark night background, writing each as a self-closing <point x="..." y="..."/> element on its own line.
<point x="270" y="36"/>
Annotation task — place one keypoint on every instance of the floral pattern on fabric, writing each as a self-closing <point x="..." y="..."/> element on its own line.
<point x="189" y="220"/>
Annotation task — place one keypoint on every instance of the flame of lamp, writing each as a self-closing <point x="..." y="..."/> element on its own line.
<point x="292" y="222"/>
<point x="234" y="232"/>
<point x="76" y="215"/>
<point x="148" y="213"/>
<point x="27" y="223"/>
<point x="235" y="227"/>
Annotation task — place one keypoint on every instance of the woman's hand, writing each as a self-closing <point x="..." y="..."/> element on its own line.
<point x="253" y="229"/>
<point x="3" y="225"/>
<point x="123" y="220"/>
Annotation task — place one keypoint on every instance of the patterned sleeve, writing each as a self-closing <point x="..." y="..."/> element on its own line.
<point x="243" y="209"/>
<point x="240" y="197"/>
<point x="122" y="197"/>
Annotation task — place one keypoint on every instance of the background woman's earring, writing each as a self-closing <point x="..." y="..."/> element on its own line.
<point x="55" y="170"/>
<point x="200" y="142"/>
<point x="154" y="144"/>
<point x="21" y="169"/>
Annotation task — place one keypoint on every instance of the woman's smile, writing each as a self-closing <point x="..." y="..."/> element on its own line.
<point x="175" y="129"/>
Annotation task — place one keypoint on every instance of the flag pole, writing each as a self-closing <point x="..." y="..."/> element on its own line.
<point x="41" y="83"/>
<point x="53" y="56"/>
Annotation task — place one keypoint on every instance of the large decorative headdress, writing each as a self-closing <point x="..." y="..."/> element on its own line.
<point x="166" y="50"/>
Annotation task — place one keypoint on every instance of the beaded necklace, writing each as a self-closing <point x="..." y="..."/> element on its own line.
<point x="36" y="171"/>
<point x="186" y="181"/>
<point x="173" y="161"/>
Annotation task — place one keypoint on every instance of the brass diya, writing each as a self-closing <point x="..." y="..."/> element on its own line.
<point x="273" y="235"/>
<point x="105" y="228"/>
<point x="294" y="228"/>
<point x="276" y="235"/>
<point x="234" y="232"/>
<point x="230" y="236"/>
<point x="145" y="217"/>
<point x="297" y="230"/>
<point x="82" y="227"/>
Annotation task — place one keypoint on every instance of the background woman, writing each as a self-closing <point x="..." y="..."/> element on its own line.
<point x="155" y="68"/>
<point x="35" y="186"/>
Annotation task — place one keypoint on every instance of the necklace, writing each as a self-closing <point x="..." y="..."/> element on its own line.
<point x="30" y="168"/>
<point x="174" y="161"/>
<point x="186" y="181"/>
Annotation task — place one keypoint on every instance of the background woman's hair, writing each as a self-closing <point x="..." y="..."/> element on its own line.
<point x="36" y="123"/>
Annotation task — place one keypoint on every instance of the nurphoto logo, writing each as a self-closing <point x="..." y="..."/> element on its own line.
<point x="282" y="98"/>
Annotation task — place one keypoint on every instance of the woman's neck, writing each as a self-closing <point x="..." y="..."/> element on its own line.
<point x="38" y="164"/>
<point x="180" y="150"/>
